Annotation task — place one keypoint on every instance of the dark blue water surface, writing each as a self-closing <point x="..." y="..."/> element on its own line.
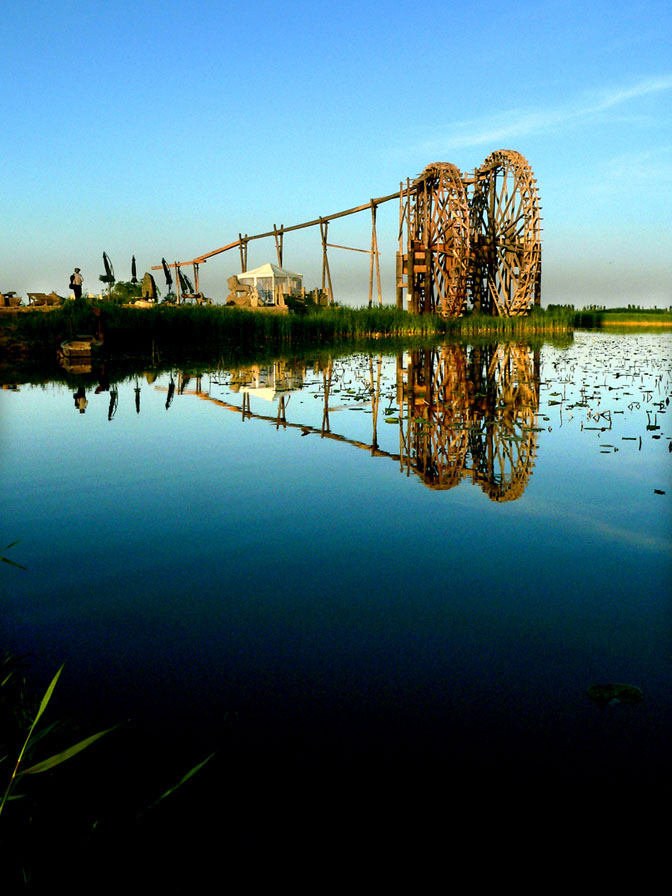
<point x="280" y="589"/>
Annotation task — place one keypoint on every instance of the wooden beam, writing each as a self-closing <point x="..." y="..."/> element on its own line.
<point x="350" y="248"/>
<point x="282" y="229"/>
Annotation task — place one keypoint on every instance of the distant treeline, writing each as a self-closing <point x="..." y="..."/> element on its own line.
<point x="632" y="314"/>
<point x="592" y="315"/>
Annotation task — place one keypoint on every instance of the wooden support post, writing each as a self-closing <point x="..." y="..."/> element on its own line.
<point x="374" y="254"/>
<point x="281" y="413"/>
<point x="410" y="276"/>
<point x="177" y="283"/>
<point x="371" y="260"/>
<point x="375" y="249"/>
<point x="196" y="283"/>
<point x="412" y="227"/>
<point x="399" y="293"/>
<point x="243" y="252"/>
<point x="326" y="273"/>
<point x="399" y="275"/>
<point x="326" y="378"/>
<point x="375" y="399"/>
<point x="278" y="234"/>
<point x="324" y="254"/>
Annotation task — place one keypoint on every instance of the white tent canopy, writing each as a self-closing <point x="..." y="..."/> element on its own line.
<point x="269" y="279"/>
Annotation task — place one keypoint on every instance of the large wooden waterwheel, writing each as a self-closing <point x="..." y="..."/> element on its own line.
<point x="437" y="256"/>
<point x="506" y="236"/>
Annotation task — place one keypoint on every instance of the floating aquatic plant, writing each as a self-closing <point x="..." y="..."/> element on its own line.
<point x="606" y="694"/>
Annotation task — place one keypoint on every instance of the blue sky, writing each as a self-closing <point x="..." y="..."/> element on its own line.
<point x="165" y="128"/>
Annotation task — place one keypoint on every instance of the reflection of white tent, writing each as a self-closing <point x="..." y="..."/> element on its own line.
<point x="271" y="280"/>
<point x="267" y="382"/>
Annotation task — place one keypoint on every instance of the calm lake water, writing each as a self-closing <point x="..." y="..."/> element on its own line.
<point x="425" y="556"/>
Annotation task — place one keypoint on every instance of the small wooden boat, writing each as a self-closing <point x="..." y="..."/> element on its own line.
<point x="79" y="347"/>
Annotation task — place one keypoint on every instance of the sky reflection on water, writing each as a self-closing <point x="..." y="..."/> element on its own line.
<point x="192" y="561"/>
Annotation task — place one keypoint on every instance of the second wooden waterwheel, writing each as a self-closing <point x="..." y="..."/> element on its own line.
<point x="505" y="236"/>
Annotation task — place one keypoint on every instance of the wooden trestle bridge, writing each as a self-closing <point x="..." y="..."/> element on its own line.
<point x="463" y="413"/>
<point x="465" y="241"/>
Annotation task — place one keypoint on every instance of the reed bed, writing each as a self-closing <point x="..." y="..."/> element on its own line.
<point x="216" y="327"/>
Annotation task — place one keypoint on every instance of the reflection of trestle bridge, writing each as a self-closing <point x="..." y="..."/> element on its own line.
<point x="463" y="412"/>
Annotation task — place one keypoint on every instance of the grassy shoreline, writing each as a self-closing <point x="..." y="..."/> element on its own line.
<point x="129" y="328"/>
<point x="204" y="331"/>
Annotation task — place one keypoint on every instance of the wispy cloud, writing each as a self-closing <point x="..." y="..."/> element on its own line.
<point x="592" y="525"/>
<point x="637" y="167"/>
<point x="517" y="123"/>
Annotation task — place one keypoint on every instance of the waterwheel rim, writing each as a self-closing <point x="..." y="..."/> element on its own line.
<point x="506" y="235"/>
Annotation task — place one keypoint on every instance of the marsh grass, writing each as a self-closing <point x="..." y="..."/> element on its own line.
<point x="7" y="680"/>
<point x="189" y="327"/>
<point x="28" y="814"/>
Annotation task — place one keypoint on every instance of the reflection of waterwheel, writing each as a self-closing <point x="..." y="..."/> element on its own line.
<point x="483" y="405"/>
<point x="438" y="411"/>
<point x="504" y="450"/>
<point x="438" y="241"/>
<point x="506" y="236"/>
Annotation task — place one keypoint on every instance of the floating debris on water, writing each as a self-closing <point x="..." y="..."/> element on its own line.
<point x="606" y="694"/>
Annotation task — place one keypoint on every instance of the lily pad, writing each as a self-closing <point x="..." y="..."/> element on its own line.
<point x="604" y="694"/>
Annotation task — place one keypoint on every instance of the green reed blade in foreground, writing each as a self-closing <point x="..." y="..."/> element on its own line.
<point x="182" y="780"/>
<point x="58" y="758"/>
<point x="52" y="761"/>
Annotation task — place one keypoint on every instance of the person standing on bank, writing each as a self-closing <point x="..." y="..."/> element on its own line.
<point x="76" y="281"/>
